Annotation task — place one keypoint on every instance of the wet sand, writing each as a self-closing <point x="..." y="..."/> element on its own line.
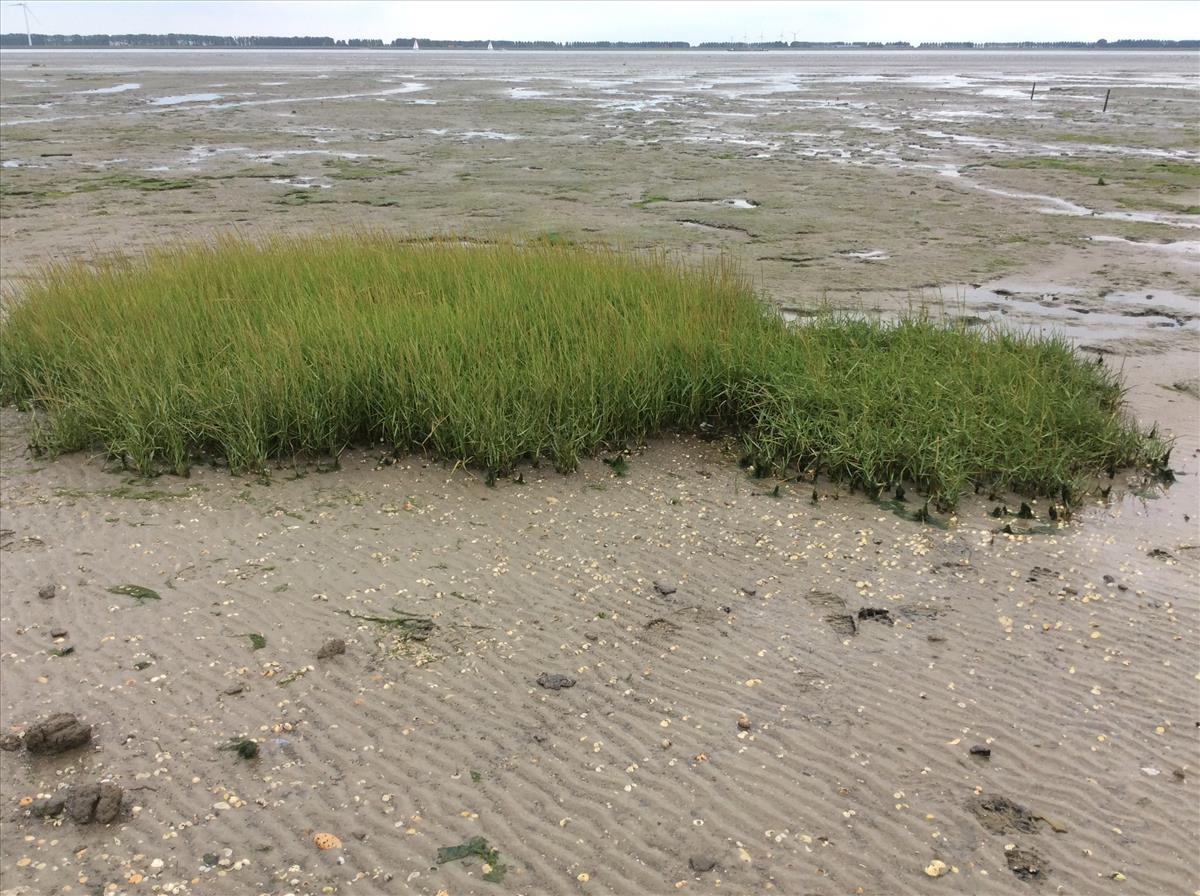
<point x="748" y="718"/>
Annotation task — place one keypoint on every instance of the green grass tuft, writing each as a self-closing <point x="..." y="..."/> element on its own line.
<point x="497" y="354"/>
<point x="140" y="593"/>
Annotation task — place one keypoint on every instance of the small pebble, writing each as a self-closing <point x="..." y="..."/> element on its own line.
<point x="701" y="864"/>
<point x="982" y="751"/>
<point x="552" y="681"/>
<point x="46" y="592"/>
<point x="744" y="722"/>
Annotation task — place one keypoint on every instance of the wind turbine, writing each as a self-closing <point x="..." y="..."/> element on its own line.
<point x="25" y="9"/>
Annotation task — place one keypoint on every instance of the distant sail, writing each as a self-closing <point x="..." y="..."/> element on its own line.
<point x="416" y="46"/>
<point x="490" y="47"/>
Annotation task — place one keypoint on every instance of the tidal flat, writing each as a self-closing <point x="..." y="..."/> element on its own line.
<point x="777" y="685"/>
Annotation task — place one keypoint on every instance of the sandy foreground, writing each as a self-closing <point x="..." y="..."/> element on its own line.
<point x="731" y="711"/>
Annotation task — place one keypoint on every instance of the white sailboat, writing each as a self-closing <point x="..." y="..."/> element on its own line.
<point x="416" y="46"/>
<point x="490" y="47"/>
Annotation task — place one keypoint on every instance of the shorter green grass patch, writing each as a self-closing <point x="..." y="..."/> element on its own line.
<point x="497" y="354"/>
<point x="140" y="593"/>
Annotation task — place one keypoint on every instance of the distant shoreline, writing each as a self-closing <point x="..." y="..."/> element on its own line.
<point x="618" y="50"/>
<point x="21" y="41"/>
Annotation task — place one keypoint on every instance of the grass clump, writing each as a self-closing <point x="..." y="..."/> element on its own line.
<point x="650" y="199"/>
<point x="939" y="406"/>
<point x="497" y="354"/>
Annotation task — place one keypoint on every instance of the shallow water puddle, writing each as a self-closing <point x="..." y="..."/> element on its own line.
<point x="489" y="135"/>
<point x="197" y="154"/>
<point x="1067" y="313"/>
<point x="300" y="183"/>
<point x="185" y="98"/>
<point x="207" y="98"/>
<point x="970" y="140"/>
<point x="276" y="155"/>
<point x="1190" y="249"/>
<point x="527" y="93"/>
<point x="737" y="202"/>
<point x="116" y="88"/>
<point x="1158" y="299"/>
<point x="1059" y="206"/>
<point x="866" y="255"/>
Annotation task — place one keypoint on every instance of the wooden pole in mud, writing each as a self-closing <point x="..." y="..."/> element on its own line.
<point x="1107" y="94"/>
<point x="1032" y="89"/>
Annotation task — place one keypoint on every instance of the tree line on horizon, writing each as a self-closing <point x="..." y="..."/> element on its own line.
<point x="213" y="41"/>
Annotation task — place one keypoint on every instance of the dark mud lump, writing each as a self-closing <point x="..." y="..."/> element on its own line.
<point x="57" y="734"/>
<point x="100" y="803"/>
<point x="331" y="648"/>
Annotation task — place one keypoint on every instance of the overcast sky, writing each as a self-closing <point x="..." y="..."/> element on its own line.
<point x="564" y="20"/>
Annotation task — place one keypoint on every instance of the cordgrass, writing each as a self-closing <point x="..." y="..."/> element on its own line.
<point x="492" y="355"/>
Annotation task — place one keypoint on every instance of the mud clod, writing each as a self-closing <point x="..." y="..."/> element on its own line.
<point x="47" y="592"/>
<point x="108" y="807"/>
<point x="663" y="627"/>
<point x="835" y="615"/>
<point x="10" y="743"/>
<point x="57" y="734"/>
<point x="100" y="803"/>
<point x="1025" y="864"/>
<point x="1001" y="815"/>
<point x="48" y="808"/>
<point x="552" y="681"/>
<point x="878" y="614"/>
<point x="81" y="803"/>
<point x="331" y="648"/>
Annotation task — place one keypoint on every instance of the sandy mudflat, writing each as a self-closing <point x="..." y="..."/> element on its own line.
<point x="1071" y="650"/>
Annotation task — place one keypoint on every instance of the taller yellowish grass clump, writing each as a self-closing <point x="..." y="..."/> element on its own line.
<point x="496" y="354"/>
